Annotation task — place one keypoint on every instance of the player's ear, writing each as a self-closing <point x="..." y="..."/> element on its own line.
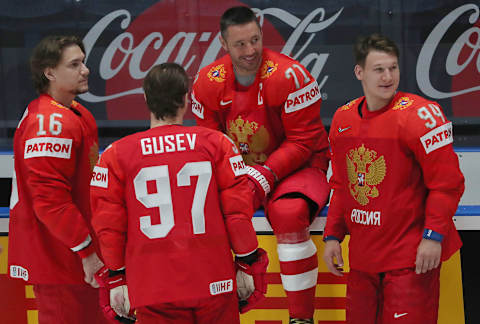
<point x="223" y="42"/>
<point x="49" y="73"/>
<point x="358" y="70"/>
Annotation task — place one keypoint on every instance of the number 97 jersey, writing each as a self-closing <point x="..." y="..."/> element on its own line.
<point x="169" y="204"/>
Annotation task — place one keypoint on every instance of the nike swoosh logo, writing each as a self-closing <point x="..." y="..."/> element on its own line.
<point x="341" y="130"/>
<point x="399" y="315"/>
<point x="224" y="103"/>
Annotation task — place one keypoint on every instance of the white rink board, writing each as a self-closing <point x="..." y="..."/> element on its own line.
<point x="467" y="218"/>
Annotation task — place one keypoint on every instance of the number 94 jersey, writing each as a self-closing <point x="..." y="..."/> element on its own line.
<point x="395" y="174"/>
<point x="169" y="204"/>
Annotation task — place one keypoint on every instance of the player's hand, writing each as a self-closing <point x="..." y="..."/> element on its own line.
<point x="113" y="296"/>
<point x="91" y="264"/>
<point x="332" y="252"/>
<point x="429" y="254"/>
<point x="251" y="281"/>
<point x="261" y="181"/>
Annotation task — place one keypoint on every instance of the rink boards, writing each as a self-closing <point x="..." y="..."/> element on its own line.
<point x="17" y="301"/>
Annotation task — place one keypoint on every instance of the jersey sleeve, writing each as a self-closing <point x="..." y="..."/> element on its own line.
<point x="51" y="175"/>
<point x="335" y="225"/>
<point x="300" y="115"/>
<point x="235" y="197"/>
<point x="430" y="138"/>
<point x="202" y="105"/>
<point x="109" y="215"/>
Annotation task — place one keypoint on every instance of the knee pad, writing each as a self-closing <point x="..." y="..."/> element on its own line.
<point x="288" y="215"/>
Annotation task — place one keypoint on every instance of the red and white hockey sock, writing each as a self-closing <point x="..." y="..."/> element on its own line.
<point x="299" y="272"/>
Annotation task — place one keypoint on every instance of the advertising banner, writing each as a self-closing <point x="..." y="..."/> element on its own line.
<point x="439" y="44"/>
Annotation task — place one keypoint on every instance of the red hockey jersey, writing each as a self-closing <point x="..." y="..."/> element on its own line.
<point x="394" y="174"/>
<point x="169" y="204"/>
<point x="55" y="150"/>
<point x="275" y="121"/>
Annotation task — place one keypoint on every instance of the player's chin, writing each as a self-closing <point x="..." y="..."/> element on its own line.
<point x="82" y="89"/>
<point x="387" y="92"/>
<point x="251" y="65"/>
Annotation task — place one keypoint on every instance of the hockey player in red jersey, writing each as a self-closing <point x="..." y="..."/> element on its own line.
<point x="169" y="205"/>
<point x="51" y="242"/>
<point x="269" y="104"/>
<point x="397" y="184"/>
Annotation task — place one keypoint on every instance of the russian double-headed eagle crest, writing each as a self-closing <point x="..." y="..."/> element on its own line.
<point x="402" y="103"/>
<point x="251" y="138"/>
<point x="365" y="172"/>
<point x="349" y="104"/>
<point x="217" y="73"/>
<point x="268" y="68"/>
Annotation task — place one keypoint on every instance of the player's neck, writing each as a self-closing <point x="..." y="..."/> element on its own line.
<point x="61" y="97"/>
<point x="245" y="80"/>
<point x="154" y="122"/>
<point x="375" y="104"/>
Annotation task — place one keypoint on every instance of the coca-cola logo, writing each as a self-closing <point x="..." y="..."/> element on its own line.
<point x="462" y="62"/>
<point x="174" y="32"/>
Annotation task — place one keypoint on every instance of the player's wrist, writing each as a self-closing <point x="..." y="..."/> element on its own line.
<point x="432" y="235"/>
<point x="248" y="259"/>
<point x="262" y="176"/>
<point x="87" y="251"/>
<point x="111" y="278"/>
<point x="255" y="173"/>
<point x="331" y="238"/>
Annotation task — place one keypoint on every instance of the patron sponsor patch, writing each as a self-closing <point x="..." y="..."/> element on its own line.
<point x="302" y="98"/>
<point x="48" y="146"/>
<point x="220" y="287"/>
<point x="197" y="107"/>
<point x="99" y="177"/>
<point x="437" y="138"/>
<point x="238" y="165"/>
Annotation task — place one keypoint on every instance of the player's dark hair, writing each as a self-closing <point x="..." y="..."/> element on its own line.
<point x="47" y="54"/>
<point x="165" y="87"/>
<point x="373" y="42"/>
<point x="236" y="16"/>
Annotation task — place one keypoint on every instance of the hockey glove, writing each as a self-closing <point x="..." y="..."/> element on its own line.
<point x="251" y="280"/>
<point x="113" y="296"/>
<point x="261" y="181"/>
